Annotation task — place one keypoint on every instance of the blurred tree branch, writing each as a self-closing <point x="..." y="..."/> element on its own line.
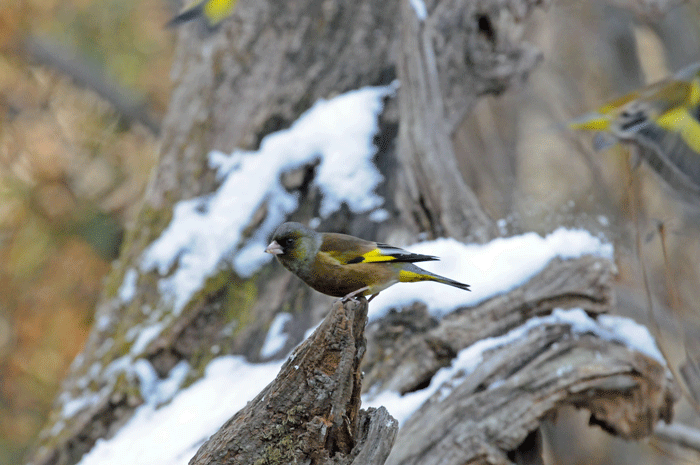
<point x="680" y="434"/>
<point x="125" y="102"/>
<point x="263" y="69"/>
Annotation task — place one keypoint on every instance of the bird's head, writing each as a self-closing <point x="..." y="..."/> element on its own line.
<point x="295" y="246"/>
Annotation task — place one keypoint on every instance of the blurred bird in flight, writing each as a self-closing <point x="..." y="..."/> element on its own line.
<point x="662" y="121"/>
<point x="210" y="12"/>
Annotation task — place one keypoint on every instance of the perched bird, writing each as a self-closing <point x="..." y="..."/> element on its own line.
<point x="347" y="266"/>
<point x="662" y="121"/>
<point x="212" y="13"/>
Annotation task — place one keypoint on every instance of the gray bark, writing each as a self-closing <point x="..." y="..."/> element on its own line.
<point x="267" y="65"/>
<point x="311" y="412"/>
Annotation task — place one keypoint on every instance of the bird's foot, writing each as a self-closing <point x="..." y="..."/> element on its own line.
<point x="354" y="294"/>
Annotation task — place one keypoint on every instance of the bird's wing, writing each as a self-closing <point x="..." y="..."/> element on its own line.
<point x="192" y="11"/>
<point x="632" y="111"/>
<point x="395" y="254"/>
<point x="213" y="11"/>
<point x="348" y="250"/>
<point x="669" y="135"/>
<point x="674" y="155"/>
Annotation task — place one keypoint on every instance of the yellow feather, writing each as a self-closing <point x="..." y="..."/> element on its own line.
<point x="591" y="122"/>
<point x="662" y="118"/>
<point x="376" y="255"/>
<point x="680" y="121"/>
<point x="213" y="12"/>
<point x="412" y="277"/>
<point x="694" y="97"/>
<point x="217" y="10"/>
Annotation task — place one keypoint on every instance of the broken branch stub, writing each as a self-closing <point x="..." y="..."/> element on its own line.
<point x="496" y="407"/>
<point x="311" y="412"/>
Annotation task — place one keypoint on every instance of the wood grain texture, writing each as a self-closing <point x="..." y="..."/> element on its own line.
<point x="267" y="65"/>
<point x="493" y="410"/>
<point x="460" y="52"/>
<point x="402" y="356"/>
<point x="311" y="412"/>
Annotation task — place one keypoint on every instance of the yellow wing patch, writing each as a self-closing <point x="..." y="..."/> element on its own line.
<point x="217" y="10"/>
<point x="679" y="120"/>
<point x="591" y="122"/>
<point x="694" y="97"/>
<point x="350" y="258"/>
<point x="376" y="255"/>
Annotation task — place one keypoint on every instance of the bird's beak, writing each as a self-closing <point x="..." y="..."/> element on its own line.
<point x="274" y="248"/>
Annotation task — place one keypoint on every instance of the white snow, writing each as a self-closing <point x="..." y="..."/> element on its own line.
<point x="73" y="406"/>
<point x="379" y="215"/>
<point x="206" y="232"/>
<point x="631" y="334"/>
<point x="154" y="390"/>
<point x="171" y="434"/>
<point x="145" y="337"/>
<point x="420" y="9"/>
<point x="127" y="290"/>
<point x="103" y="322"/>
<point x="198" y="411"/>
<point x="612" y="328"/>
<point x="491" y="269"/>
<point x="276" y="337"/>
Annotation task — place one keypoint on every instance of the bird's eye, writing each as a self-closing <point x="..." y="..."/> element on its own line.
<point x="284" y="241"/>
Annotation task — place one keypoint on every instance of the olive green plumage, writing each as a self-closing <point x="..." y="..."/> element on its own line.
<point x="345" y="266"/>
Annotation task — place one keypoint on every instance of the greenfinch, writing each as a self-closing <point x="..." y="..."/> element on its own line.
<point x="661" y="120"/>
<point x="211" y="11"/>
<point x="346" y="266"/>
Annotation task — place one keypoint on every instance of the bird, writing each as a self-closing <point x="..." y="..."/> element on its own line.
<point x="662" y="121"/>
<point x="346" y="266"/>
<point x="212" y="12"/>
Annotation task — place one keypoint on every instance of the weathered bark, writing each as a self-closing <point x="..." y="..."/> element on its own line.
<point x="404" y="355"/>
<point x="690" y="370"/>
<point x="491" y="412"/>
<point x="494" y="409"/>
<point x="266" y="66"/>
<point x="311" y="412"/>
<point x="680" y="434"/>
<point x="488" y="414"/>
<point x="274" y="60"/>
<point x="461" y="52"/>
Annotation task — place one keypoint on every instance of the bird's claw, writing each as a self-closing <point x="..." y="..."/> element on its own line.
<point x="354" y="295"/>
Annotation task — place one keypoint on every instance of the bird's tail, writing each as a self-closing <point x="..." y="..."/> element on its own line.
<point x="450" y="282"/>
<point x="411" y="274"/>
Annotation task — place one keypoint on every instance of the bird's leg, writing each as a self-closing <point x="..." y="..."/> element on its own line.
<point x="354" y="294"/>
<point x="372" y="297"/>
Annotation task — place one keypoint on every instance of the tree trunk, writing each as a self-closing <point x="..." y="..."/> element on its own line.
<point x="266" y="66"/>
<point x="316" y="400"/>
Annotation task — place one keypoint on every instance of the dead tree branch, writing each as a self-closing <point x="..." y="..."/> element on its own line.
<point x="311" y="412"/>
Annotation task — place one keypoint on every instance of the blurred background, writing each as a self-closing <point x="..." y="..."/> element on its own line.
<point x="84" y="85"/>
